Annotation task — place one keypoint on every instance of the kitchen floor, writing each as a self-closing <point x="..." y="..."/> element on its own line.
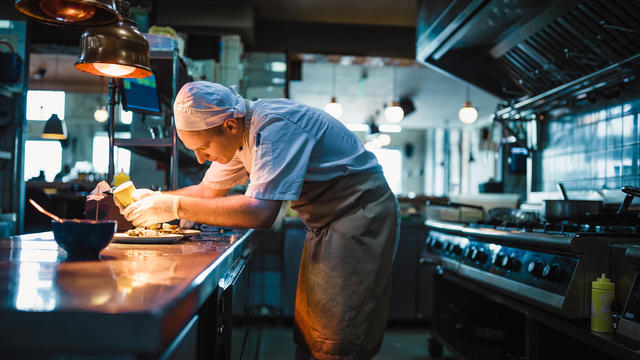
<point x="400" y="343"/>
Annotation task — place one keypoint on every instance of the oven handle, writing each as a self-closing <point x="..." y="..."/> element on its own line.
<point x="427" y="261"/>
<point x="230" y="277"/>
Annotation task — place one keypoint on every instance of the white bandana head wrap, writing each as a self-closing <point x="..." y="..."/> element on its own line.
<point x="202" y="105"/>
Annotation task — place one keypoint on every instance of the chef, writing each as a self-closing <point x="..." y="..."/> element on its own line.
<point x="289" y="151"/>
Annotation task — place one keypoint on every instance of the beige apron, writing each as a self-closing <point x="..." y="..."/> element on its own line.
<point x="344" y="284"/>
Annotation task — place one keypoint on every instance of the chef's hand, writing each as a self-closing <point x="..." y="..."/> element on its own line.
<point x="137" y="194"/>
<point x="97" y="192"/>
<point x="153" y="209"/>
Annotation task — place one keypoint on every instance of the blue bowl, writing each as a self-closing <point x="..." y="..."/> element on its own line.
<point x="83" y="239"/>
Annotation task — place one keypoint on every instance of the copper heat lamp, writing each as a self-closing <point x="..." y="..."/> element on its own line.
<point x="119" y="50"/>
<point x="70" y="12"/>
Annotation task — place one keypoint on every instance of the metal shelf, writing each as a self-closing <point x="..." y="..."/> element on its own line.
<point x="142" y="142"/>
<point x="5" y="155"/>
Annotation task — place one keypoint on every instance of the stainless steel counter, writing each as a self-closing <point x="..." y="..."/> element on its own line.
<point x="135" y="300"/>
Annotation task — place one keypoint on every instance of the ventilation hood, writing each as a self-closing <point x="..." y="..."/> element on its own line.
<point x="531" y="49"/>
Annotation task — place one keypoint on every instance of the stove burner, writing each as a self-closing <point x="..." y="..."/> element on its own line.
<point x="593" y="227"/>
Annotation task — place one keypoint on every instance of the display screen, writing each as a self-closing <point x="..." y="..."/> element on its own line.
<point x="141" y="95"/>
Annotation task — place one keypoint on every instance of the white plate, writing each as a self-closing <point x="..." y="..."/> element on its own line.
<point x="158" y="239"/>
<point x="190" y="232"/>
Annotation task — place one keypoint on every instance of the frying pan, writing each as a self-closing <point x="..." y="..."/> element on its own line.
<point x="554" y="210"/>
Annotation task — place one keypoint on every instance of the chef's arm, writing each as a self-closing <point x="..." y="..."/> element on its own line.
<point x="200" y="191"/>
<point x="232" y="211"/>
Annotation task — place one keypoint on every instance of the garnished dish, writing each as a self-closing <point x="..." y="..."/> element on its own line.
<point x="155" y="230"/>
<point x="154" y="234"/>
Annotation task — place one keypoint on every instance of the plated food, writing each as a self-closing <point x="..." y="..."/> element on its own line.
<point x="155" y="234"/>
<point x="155" y="230"/>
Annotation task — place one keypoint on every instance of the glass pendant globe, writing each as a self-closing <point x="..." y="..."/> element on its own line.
<point x="101" y="115"/>
<point x="333" y="108"/>
<point x="384" y="139"/>
<point x="468" y="114"/>
<point x="394" y="113"/>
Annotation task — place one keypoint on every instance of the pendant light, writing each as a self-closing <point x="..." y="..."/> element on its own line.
<point x="117" y="50"/>
<point x="54" y="129"/>
<point x="394" y="112"/>
<point x="101" y="114"/>
<point x="468" y="114"/>
<point x="70" y="12"/>
<point x="334" y="108"/>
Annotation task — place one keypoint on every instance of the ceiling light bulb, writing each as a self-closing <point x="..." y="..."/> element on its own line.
<point x="384" y="139"/>
<point x="468" y="114"/>
<point x="101" y="115"/>
<point x="114" y="69"/>
<point x="333" y="108"/>
<point x="394" y="113"/>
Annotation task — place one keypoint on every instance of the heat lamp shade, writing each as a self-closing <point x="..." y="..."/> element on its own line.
<point x="468" y="114"/>
<point x="54" y="129"/>
<point x="118" y="50"/>
<point x="334" y="108"/>
<point x="394" y="113"/>
<point x="69" y="12"/>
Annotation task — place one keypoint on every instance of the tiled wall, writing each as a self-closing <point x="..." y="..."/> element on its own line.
<point x="595" y="147"/>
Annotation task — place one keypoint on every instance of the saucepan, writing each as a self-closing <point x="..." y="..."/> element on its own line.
<point x="554" y="210"/>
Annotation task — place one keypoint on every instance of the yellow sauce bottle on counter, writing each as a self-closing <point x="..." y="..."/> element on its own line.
<point x="602" y="294"/>
<point x="120" y="178"/>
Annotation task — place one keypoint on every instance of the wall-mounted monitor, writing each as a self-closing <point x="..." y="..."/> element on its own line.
<point x="141" y="95"/>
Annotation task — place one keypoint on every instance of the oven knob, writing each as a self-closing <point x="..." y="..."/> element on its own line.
<point x="467" y="252"/>
<point x="456" y="249"/>
<point x="473" y="253"/>
<point x="497" y="260"/>
<point x="552" y="272"/>
<point x="535" y="268"/>
<point x="447" y="246"/>
<point x="431" y="241"/>
<point x="481" y="256"/>
<point x="437" y="244"/>
<point x="510" y="263"/>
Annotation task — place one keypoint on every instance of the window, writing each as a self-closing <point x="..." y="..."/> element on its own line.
<point x="100" y="158"/>
<point x="42" y="155"/>
<point x="41" y="104"/>
<point x="126" y="117"/>
<point x="391" y="162"/>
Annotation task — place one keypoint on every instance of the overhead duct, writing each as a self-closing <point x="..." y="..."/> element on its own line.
<point x="526" y="48"/>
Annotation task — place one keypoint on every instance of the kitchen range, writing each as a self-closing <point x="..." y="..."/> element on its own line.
<point x="506" y="285"/>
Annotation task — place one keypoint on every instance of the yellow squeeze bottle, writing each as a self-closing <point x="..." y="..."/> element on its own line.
<point x="124" y="193"/>
<point x="120" y="178"/>
<point x="602" y="294"/>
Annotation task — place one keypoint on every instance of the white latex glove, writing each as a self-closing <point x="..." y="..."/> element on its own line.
<point x="153" y="209"/>
<point x="97" y="192"/>
<point x="137" y="194"/>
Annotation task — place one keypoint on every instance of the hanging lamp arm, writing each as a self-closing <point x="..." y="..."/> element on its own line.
<point x="333" y="86"/>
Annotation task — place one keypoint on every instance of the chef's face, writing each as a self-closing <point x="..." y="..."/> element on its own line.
<point x="217" y="144"/>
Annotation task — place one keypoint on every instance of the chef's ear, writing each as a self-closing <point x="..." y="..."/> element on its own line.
<point x="232" y="125"/>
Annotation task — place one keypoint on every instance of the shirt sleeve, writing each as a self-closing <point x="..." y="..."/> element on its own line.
<point x="280" y="161"/>
<point x="225" y="176"/>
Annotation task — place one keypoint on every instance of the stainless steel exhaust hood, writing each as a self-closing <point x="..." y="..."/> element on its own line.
<point x="521" y="49"/>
